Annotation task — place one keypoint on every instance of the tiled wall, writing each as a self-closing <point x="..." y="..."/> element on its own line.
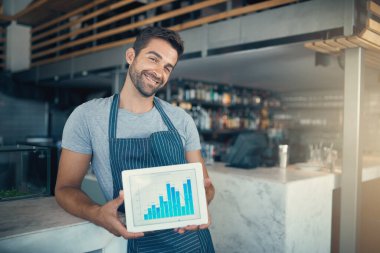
<point x="21" y="118"/>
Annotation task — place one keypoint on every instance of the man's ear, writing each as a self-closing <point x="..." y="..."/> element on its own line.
<point x="130" y="55"/>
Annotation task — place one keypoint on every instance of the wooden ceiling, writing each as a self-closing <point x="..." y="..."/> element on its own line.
<point x="368" y="38"/>
<point x="40" y="11"/>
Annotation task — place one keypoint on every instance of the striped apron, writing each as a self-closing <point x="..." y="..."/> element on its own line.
<point x="159" y="149"/>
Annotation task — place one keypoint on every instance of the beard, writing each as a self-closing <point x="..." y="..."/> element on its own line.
<point x="144" y="86"/>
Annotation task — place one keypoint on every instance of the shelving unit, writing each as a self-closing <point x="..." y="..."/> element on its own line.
<point x="220" y="111"/>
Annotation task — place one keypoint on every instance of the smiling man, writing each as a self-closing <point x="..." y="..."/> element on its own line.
<point x="130" y="130"/>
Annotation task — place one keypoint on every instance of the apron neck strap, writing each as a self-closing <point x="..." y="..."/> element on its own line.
<point x="165" y="117"/>
<point x="114" y="110"/>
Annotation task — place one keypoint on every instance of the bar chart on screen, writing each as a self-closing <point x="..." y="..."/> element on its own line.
<point x="170" y="206"/>
<point x="163" y="197"/>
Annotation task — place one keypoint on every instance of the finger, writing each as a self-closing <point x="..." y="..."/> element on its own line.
<point x="119" y="200"/>
<point x="204" y="226"/>
<point x="134" y="235"/>
<point x="207" y="182"/>
<point x="181" y="230"/>
<point x="191" y="227"/>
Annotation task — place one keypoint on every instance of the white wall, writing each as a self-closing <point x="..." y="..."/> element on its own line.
<point x="18" y="47"/>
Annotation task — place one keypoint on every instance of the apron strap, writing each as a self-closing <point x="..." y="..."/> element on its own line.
<point x="113" y="117"/>
<point x="164" y="116"/>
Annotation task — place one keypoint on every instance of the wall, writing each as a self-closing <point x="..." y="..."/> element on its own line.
<point x="21" y="118"/>
<point x="313" y="117"/>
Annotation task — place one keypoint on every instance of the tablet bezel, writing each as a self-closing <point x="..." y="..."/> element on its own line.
<point x="197" y="167"/>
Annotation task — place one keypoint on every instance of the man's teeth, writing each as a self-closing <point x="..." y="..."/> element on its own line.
<point x="151" y="79"/>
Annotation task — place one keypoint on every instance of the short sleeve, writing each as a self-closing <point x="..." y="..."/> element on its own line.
<point x="192" y="141"/>
<point x="76" y="134"/>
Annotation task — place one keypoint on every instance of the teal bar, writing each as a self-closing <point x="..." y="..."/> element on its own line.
<point x="166" y="209"/>
<point x="158" y="212"/>
<point x="187" y="206"/>
<point x="162" y="208"/>
<point x="150" y="215"/>
<point x="174" y="208"/>
<point x="178" y="203"/>
<point x="154" y="214"/>
<point x="183" y="210"/>
<point x="146" y="217"/>
<point x="190" y="196"/>
<point x="170" y="201"/>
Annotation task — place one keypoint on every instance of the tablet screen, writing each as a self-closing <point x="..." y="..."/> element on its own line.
<point x="164" y="197"/>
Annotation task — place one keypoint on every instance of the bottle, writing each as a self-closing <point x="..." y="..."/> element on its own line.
<point x="283" y="156"/>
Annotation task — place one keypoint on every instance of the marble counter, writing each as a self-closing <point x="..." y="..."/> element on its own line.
<point x="271" y="210"/>
<point x="40" y="225"/>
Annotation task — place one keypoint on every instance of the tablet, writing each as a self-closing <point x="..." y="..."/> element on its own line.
<point x="164" y="197"/>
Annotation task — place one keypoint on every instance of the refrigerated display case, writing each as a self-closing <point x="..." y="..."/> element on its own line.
<point x="24" y="172"/>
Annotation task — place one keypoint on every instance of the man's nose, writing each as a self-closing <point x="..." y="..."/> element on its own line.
<point x="159" y="71"/>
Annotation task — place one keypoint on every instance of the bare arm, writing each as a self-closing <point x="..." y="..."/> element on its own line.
<point x="72" y="169"/>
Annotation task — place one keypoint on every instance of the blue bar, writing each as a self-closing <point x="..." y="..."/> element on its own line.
<point x="158" y="212"/>
<point x="162" y="208"/>
<point x="166" y="209"/>
<point x="150" y="215"/>
<point x="178" y="203"/>
<point x="187" y="206"/>
<point x="175" y="213"/>
<point x="146" y="217"/>
<point x="190" y="196"/>
<point x="183" y="210"/>
<point x="170" y="201"/>
<point x="154" y="214"/>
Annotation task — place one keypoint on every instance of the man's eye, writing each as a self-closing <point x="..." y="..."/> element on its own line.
<point x="153" y="59"/>
<point x="168" y="70"/>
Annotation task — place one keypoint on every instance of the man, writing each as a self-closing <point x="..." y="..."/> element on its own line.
<point x="130" y="130"/>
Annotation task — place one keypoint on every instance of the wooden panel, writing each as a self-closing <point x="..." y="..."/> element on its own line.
<point x="104" y="22"/>
<point x="333" y="43"/>
<point x="61" y="18"/>
<point x="231" y="13"/>
<point x="325" y="46"/>
<point x="30" y="7"/>
<point x="364" y="43"/>
<point x="373" y="25"/>
<point x="6" y="18"/>
<point x="312" y="46"/>
<point x="346" y="42"/>
<point x="370" y="36"/>
<point x="85" y="51"/>
<point x="374" y="8"/>
<point x="148" y="21"/>
<point x="82" y="19"/>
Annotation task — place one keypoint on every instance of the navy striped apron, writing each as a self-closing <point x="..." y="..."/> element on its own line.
<point x="159" y="149"/>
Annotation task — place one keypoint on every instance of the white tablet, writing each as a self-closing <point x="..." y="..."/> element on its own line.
<point x="164" y="197"/>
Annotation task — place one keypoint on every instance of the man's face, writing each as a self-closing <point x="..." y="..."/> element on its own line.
<point x="151" y="68"/>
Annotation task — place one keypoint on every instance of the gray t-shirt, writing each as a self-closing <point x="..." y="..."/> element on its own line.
<point x="86" y="132"/>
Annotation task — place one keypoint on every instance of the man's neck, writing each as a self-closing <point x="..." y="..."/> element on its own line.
<point x="132" y="100"/>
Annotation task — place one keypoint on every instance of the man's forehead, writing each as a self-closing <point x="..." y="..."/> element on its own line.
<point x="161" y="47"/>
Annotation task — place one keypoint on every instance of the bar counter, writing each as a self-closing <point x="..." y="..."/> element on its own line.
<point x="260" y="210"/>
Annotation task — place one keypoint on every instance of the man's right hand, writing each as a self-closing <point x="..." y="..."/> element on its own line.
<point x="108" y="218"/>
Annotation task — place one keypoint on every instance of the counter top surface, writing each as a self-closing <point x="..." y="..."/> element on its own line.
<point x="291" y="173"/>
<point x="25" y="216"/>
<point x="274" y="174"/>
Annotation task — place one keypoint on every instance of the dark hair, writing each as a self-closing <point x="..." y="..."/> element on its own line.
<point x="149" y="33"/>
